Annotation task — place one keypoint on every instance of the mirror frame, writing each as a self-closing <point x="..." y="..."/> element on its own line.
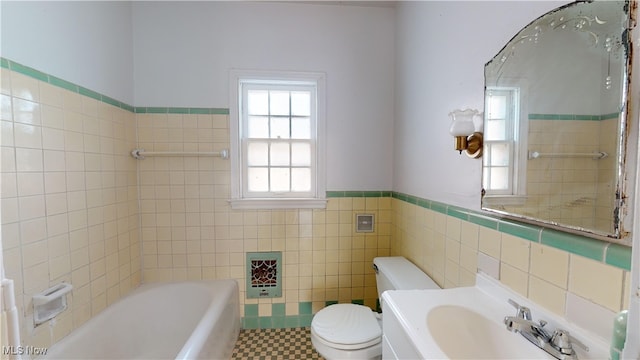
<point x="620" y="233"/>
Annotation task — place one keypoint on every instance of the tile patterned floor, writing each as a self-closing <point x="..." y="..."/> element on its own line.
<point x="275" y="344"/>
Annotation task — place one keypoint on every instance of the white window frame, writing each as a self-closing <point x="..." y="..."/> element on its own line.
<point x="519" y="127"/>
<point x="239" y="197"/>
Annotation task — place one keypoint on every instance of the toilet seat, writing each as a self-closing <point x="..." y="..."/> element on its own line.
<point x="347" y="327"/>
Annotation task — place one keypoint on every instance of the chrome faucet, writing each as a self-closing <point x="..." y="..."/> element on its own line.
<point x="558" y="344"/>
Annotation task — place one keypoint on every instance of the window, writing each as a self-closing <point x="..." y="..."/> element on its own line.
<point x="277" y="133"/>
<point x="504" y="169"/>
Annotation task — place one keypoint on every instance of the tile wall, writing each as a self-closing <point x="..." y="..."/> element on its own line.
<point x="189" y="230"/>
<point x="575" y="191"/>
<point x="559" y="271"/>
<point x="70" y="194"/>
<point x="69" y="198"/>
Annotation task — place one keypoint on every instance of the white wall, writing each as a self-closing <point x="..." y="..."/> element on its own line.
<point x="183" y="52"/>
<point x="442" y="47"/>
<point x="86" y="43"/>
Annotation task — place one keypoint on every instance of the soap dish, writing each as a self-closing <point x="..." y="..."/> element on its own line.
<point x="51" y="302"/>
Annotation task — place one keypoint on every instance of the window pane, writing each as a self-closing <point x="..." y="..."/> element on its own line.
<point x="301" y="154"/>
<point x="301" y="103"/>
<point x="500" y="154"/>
<point x="258" y="102"/>
<point x="277" y="132"/>
<point x="497" y="107"/>
<point x="496" y="130"/>
<point x="279" y="127"/>
<point x="279" y="101"/>
<point x="258" y="127"/>
<point x="258" y="179"/>
<point x="301" y="179"/>
<point x="258" y="154"/>
<point x="280" y="179"/>
<point x="301" y="128"/>
<point x="499" y="178"/>
<point x="280" y="154"/>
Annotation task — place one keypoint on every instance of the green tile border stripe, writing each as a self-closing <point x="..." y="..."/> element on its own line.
<point x="575" y="244"/>
<point x="612" y="254"/>
<point x="58" y="82"/>
<point x="341" y="194"/>
<point x="181" y="110"/>
<point x="55" y="81"/>
<point x="524" y="231"/>
<point x="609" y="253"/>
<point x="619" y="255"/>
<point x="279" y="319"/>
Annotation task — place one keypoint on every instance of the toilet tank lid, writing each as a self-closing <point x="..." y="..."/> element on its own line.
<point x="403" y="274"/>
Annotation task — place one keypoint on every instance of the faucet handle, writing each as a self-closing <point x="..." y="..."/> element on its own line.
<point x="562" y="341"/>
<point x="523" y="311"/>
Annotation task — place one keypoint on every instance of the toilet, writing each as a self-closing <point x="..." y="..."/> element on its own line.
<point x="351" y="331"/>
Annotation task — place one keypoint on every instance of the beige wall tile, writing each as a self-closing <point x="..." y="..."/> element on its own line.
<point x="24" y="87"/>
<point x="28" y="160"/>
<point x="550" y="264"/>
<point x="54" y="161"/>
<point x="548" y="295"/>
<point x="469" y="234"/>
<point x="515" y="252"/>
<point x="8" y="159"/>
<point x="54" y="200"/>
<point x="6" y="128"/>
<point x="26" y="112"/>
<point x="5" y="81"/>
<point x="34" y="253"/>
<point x="597" y="282"/>
<point x="489" y="242"/>
<point x="30" y="184"/>
<point x="50" y="95"/>
<point x="514" y="278"/>
<point x="469" y="259"/>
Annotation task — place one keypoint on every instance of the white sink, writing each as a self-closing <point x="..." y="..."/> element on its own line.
<point x="465" y="323"/>
<point x="462" y="333"/>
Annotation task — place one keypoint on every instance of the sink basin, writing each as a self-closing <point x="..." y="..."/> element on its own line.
<point x="462" y="333"/>
<point x="467" y="323"/>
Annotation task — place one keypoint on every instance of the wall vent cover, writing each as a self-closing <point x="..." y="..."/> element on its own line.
<point x="364" y="222"/>
<point x="264" y="274"/>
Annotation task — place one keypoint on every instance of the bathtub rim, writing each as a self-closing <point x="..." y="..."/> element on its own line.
<point x="194" y="344"/>
<point x="229" y="291"/>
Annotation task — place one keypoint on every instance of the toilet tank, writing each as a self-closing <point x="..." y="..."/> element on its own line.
<point x="398" y="273"/>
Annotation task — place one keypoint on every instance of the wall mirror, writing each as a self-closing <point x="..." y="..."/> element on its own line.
<point x="555" y="125"/>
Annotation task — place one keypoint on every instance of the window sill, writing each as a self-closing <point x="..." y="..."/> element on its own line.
<point x="242" y="204"/>
<point x="504" y="200"/>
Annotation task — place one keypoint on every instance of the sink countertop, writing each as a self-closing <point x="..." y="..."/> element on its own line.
<point x="489" y="299"/>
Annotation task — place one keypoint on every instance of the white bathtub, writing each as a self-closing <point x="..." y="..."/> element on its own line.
<point x="187" y="320"/>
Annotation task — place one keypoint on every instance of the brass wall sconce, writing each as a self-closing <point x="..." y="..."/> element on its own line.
<point x="463" y="129"/>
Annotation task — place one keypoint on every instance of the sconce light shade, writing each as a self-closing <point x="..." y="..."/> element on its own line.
<point x="462" y="122"/>
<point x="464" y="131"/>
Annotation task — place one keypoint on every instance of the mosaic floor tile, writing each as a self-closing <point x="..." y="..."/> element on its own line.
<point x="275" y="344"/>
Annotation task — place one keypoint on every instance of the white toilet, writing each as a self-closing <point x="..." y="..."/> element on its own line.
<point x="350" y="331"/>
